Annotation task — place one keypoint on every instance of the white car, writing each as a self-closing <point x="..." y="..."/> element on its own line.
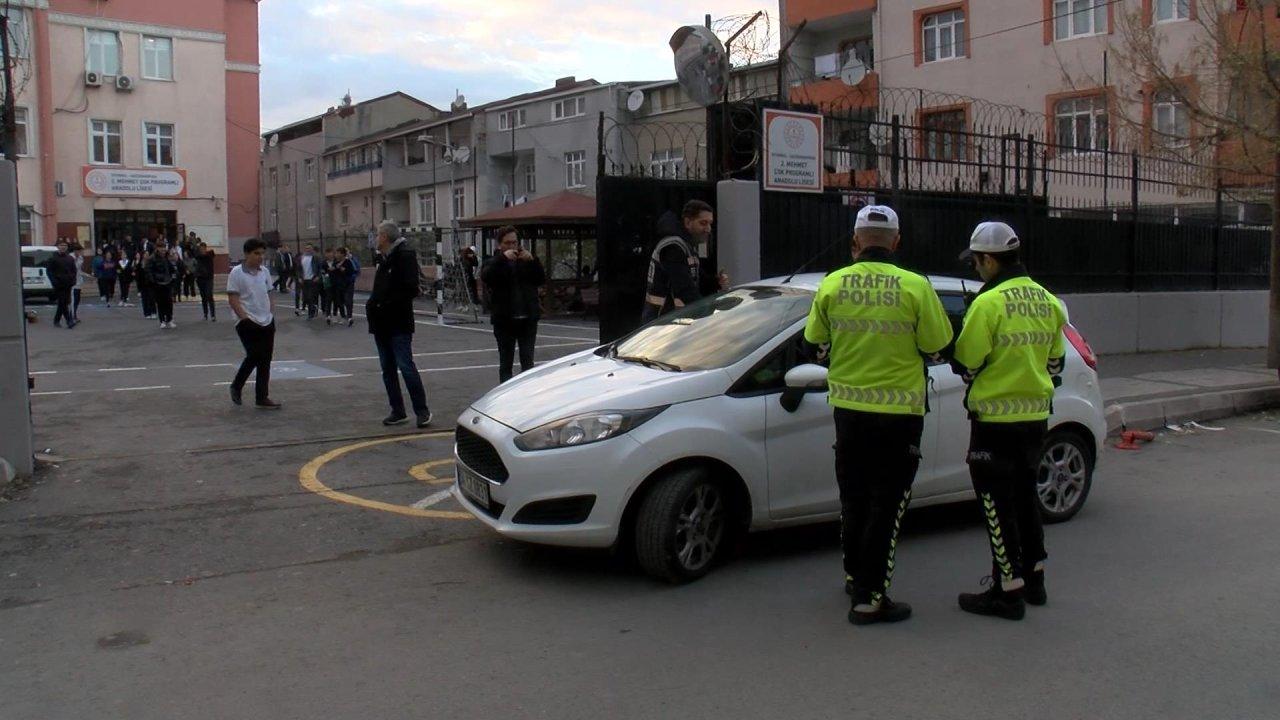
<point x="35" y="282"/>
<point x="712" y="421"/>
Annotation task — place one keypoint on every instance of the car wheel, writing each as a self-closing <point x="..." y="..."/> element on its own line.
<point x="682" y="526"/>
<point x="1064" y="476"/>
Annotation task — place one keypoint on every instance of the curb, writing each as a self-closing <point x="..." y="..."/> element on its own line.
<point x="1156" y="413"/>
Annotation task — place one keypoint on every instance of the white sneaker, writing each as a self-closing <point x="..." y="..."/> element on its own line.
<point x="172" y="324"/>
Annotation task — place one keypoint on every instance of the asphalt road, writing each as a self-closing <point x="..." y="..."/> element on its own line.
<point x="175" y="566"/>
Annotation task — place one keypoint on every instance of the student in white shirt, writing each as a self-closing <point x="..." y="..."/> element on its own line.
<point x="249" y="293"/>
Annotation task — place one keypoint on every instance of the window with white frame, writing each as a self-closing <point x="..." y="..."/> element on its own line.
<point x="273" y="177"/>
<point x="1081" y="124"/>
<point x="288" y="174"/>
<point x="157" y="58"/>
<point x="459" y="202"/>
<point x="943" y="36"/>
<point x="575" y="169"/>
<point x="351" y="159"/>
<point x="22" y="135"/>
<point x="26" y="225"/>
<point x="426" y="207"/>
<point x="666" y="163"/>
<point x="512" y="119"/>
<point x="18" y="37"/>
<point x="569" y="107"/>
<point x="312" y="217"/>
<point x="104" y="142"/>
<point x="1171" y="119"/>
<point x="1078" y="18"/>
<point x="1170" y="10"/>
<point x="102" y="52"/>
<point x="531" y="176"/>
<point x="158" y="140"/>
<point x="344" y="214"/>
<point x="273" y="220"/>
<point x="309" y="169"/>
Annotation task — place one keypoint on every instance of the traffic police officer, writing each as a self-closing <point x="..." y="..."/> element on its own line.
<point x="881" y="323"/>
<point x="1010" y="353"/>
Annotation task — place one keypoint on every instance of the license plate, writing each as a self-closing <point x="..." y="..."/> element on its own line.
<point x="473" y="486"/>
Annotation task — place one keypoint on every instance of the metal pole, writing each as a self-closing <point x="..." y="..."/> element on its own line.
<point x="1216" y="262"/>
<point x="1273" y="338"/>
<point x="782" y="62"/>
<point x="1132" y="262"/>
<point x="513" y="157"/>
<point x="10" y="123"/>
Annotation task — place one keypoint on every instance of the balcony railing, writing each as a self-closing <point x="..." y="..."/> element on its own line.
<point x="355" y="170"/>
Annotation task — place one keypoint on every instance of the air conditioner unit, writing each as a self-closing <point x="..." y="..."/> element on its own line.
<point x="92" y="78"/>
<point x="124" y="83"/>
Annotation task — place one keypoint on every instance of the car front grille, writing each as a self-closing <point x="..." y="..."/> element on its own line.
<point x="480" y="455"/>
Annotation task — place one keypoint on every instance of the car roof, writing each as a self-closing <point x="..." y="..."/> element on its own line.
<point x="811" y="281"/>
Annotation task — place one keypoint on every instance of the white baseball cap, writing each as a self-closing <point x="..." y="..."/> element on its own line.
<point x="877" y="216"/>
<point x="991" y="238"/>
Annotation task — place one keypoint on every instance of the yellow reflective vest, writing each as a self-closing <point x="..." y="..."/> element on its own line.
<point x="880" y="321"/>
<point x="1011" y="345"/>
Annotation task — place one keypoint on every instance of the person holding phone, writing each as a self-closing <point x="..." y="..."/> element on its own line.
<point x="513" y="277"/>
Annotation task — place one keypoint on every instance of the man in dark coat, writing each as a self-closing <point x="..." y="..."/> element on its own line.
<point x="513" y="277"/>
<point x="677" y="276"/>
<point x="391" y="322"/>
<point x="62" y="271"/>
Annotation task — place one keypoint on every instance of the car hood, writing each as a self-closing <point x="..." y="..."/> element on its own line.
<point x="586" y="382"/>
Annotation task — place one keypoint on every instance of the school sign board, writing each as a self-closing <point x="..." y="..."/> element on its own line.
<point x="127" y="182"/>
<point x="793" y="151"/>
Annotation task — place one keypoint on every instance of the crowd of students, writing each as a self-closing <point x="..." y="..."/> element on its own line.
<point x="163" y="275"/>
<point x="322" y="284"/>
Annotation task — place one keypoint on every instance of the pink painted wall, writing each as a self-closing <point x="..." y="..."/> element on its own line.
<point x="191" y="14"/>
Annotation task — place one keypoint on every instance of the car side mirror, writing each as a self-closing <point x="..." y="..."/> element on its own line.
<point x="802" y="380"/>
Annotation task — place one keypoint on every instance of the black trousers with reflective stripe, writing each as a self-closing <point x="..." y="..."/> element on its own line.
<point x="877" y="456"/>
<point x="1004" y="460"/>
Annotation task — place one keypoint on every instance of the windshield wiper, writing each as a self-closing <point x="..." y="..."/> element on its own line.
<point x="648" y="362"/>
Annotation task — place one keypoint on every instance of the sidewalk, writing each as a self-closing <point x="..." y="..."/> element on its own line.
<point x="1152" y="390"/>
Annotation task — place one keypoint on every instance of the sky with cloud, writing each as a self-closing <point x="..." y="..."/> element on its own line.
<point x="315" y="51"/>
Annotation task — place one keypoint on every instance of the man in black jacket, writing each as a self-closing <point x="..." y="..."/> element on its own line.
<point x="161" y="271"/>
<point x="513" y="277"/>
<point x="62" y="271"/>
<point x="676" y="273"/>
<point x="390" y="314"/>
<point x="283" y="268"/>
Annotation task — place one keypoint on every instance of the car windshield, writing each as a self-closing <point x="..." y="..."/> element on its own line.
<point x="718" y="331"/>
<point x="36" y="258"/>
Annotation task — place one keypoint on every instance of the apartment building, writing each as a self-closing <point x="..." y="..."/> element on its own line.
<point x="293" y="177"/>
<point x="136" y="117"/>
<point x="1059" y="61"/>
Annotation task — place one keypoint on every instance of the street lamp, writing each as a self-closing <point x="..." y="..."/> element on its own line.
<point x="428" y="141"/>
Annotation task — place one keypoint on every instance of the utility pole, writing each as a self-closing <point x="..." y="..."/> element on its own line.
<point x="10" y="129"/>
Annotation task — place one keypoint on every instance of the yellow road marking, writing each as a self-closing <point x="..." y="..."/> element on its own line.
<point x="421" y="474"/>
<point x="309" y="478"/>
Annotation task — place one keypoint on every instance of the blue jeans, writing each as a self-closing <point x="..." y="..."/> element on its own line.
<point x="395" y="352"/>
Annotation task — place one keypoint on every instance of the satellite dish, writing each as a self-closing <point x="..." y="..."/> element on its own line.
<point x="274" y="141"/>
<point x="635" y="101"/>
<point x="854" y="70"/>
<point x="879" y="134"/>
<point x="702" y="65"/>
<point x="462" y="154"/>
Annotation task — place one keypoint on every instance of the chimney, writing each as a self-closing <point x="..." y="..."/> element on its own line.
<point x="566" y="82"/>
<point x="459" y="102"/>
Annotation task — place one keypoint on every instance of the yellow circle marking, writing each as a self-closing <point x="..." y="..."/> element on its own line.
<point x="309" y="477"/>
<point x="422" y="473"/>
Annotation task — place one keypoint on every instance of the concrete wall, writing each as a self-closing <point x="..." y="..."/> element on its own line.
<point x="1156" y="322"/>
<point x="16" y="445"/>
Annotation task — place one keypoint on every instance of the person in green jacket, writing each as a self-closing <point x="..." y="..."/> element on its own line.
<point x="882" y="324"/>
<point x="1010" y="353"/>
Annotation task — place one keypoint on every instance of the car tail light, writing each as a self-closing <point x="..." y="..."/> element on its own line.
<point x="1082" y="346"/>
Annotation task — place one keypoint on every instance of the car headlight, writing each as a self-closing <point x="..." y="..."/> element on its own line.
<point x="585" y="429"/>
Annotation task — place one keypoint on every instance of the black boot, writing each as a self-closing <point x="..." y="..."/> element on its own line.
<point x="862" y="612"/>
<point x="1034" y="592"/>
<point x="996" y="602"/>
